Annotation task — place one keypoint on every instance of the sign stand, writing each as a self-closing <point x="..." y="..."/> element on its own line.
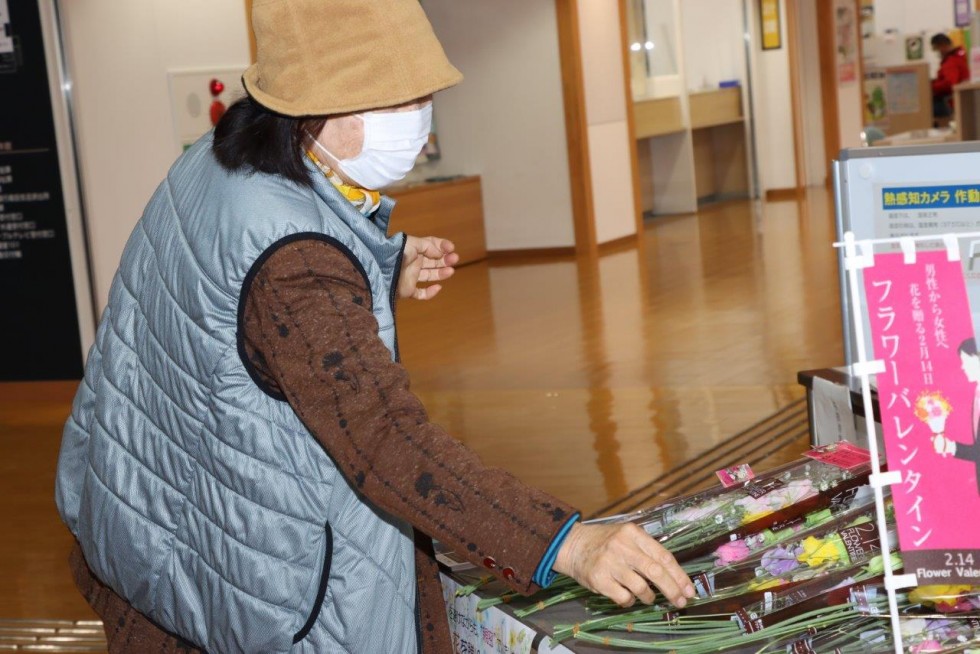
<point x="859" y="255"/>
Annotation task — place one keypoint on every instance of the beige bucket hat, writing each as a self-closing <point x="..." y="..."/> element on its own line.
<point x="322" y="57"/>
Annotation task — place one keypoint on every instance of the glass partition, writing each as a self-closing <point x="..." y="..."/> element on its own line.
<point x="653" y="49"/>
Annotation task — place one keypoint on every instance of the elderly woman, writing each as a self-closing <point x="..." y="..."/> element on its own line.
<point x="245" y="468"/>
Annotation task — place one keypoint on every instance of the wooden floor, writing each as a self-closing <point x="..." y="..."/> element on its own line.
<point x="585" y="378"/>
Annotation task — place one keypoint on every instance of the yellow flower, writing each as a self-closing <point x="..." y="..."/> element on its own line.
<point x="763" y="585"/>
<point x="752" y="517"/>
<point x="817" y="552"/>
<point x="937" y="595"/>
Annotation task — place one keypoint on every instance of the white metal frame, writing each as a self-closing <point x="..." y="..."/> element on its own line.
<point x="61" y="90"/>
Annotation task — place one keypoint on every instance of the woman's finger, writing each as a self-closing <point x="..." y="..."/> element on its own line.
<point x="435" y="274"/>
<point x="427" y="292"/>
<point x="656" y="574"/>
<point x="434" y="247"/>
<point x="615" y="591"/>
<point x="448" y="261"/>
<point x="638" y="586"/>
<point x="668" y="565"/>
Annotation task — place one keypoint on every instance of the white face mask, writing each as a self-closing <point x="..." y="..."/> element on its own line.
<point x="392" y="142"/>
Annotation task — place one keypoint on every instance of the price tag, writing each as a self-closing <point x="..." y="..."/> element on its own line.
<point x="734" y="475"/>
<point x="844" y="455"/>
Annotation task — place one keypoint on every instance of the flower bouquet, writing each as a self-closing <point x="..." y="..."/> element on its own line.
<point x="920" y="635"/>
<point x="840" y="586"/>
<point x="951" y="599"/>
<point x="774" y="505"/>
<point x="933" y="409"/>
<point x="795" y="554"/>
<point x="692" y="530"/>
<point x="773" y="559"/>
<point x="781" y="617"/>
<point x="737" y="550"/>
<point x="815" y="562"/>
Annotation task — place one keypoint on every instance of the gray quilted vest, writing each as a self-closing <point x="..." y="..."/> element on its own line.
<point x="195" y="495"/>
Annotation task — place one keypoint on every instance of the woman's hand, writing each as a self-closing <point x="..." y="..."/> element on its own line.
<point x="620" y="562"/>
<point x="429" y="259"/>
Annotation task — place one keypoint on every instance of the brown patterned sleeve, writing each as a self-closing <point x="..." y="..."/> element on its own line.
<point x="310" y="330"/>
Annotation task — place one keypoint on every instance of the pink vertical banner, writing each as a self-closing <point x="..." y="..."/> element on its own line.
<point x="930" y="406"/>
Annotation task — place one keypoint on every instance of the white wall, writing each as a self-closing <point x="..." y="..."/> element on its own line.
<point x="505" y="122"/>
<point x="773" y="107"/>
<point x="895" y="19"/>
<point x="119" y="54"/>
<point x="811" y="100"/>
<point x="914" y="16"/>
<point x="851" y="115"/>
<point x="605" y="111"/>
<point x="850" y="102"/>
<point x="714" y="45"/>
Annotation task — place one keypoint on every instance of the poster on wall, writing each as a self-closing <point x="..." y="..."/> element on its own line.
<point x="847" y="41"/>
<point x="39" y="320"/>
<point x="961" y="11"/>
<point x="903" y="92"/>
<point x="875" y="97"/>
<point x="867" y="18"/>
<point x="915" y="48"/>
<point x="771" y="33"/>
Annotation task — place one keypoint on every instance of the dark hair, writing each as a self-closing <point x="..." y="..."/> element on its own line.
<point x="968" y="347"/>
<point x="940" y="39"/>
<point x="251" y="138"/>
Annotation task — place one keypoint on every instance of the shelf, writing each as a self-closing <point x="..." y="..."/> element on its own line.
<point x="720" y="123"/>
<point x="717" y="107"/>
<point x="658" y="117"/>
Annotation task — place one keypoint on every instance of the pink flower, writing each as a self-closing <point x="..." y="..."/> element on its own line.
<point x="927" y="646"/>
<point x="732" y="552"/>
<point x="936" y="411"/>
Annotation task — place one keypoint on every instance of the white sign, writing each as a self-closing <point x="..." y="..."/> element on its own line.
<point x="833" y="418"/>
<point x="194" y="103"/>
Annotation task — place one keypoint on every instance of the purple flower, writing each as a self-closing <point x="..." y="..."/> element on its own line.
<point x="780" y="560"/>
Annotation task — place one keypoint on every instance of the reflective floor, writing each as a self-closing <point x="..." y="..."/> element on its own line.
<point x="584" y="378"/>
<point x="588" y="379"/>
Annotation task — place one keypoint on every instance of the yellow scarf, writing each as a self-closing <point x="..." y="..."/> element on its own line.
<point x="365" y="201"/>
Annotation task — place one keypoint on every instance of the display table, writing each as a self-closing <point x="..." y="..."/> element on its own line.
<point x="497" y="630"/>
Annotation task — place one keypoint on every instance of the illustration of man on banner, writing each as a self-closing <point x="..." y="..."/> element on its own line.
<point x="970" y="362"/>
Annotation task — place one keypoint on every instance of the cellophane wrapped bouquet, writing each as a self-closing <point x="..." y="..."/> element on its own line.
<point x="790" y="561"/>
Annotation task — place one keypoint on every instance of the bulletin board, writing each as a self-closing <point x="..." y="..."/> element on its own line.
<point x="46" y="318"/>
<point x="898" y="99"/>
<point x="916" y="191"/>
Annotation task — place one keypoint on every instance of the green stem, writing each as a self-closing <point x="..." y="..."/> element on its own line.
<point x="464" y="591"/>
<point x="557" y="599"/>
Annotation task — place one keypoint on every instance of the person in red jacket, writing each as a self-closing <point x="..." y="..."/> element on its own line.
<point x="953" y="70"/>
